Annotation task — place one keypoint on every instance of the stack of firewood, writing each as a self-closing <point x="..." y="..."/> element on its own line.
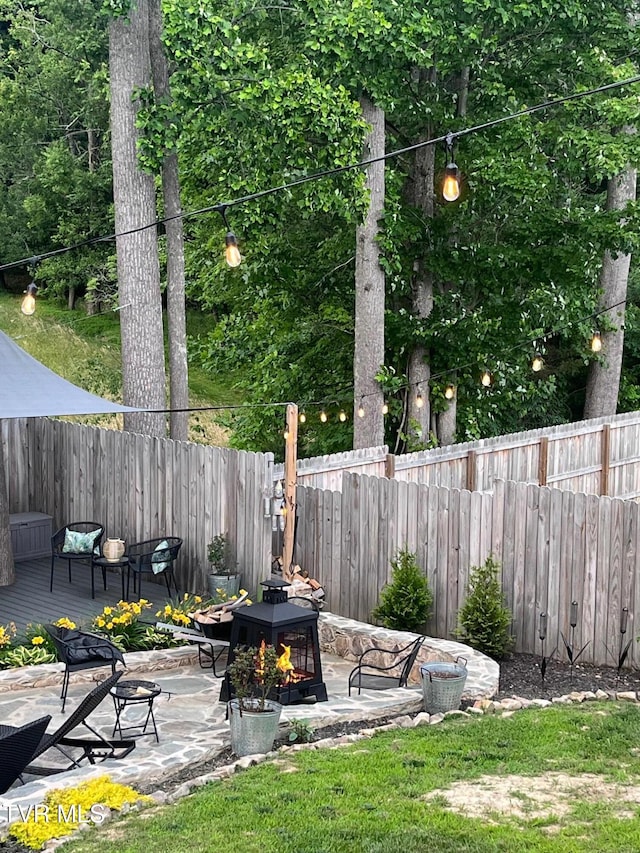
<point x="305" y="587"/>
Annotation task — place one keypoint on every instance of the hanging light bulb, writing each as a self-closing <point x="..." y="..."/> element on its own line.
<point x="286" y="433"/>
<point x="451" y="185"/>
<point x="449" y="392"/>
<point x="342" y="416"/>
<point x="596" y="342"/>
<point x="323" y="417"/>
<point x="419" y="401"/>
<point x="486" y="379"/>
<point x="231" y="252"/>
<point x="28" y="305"/>
<point x="538" y="363"/>
<point x="302" y="418"/>
<point x="385" y="408"/>
<point x="361" y="410"/>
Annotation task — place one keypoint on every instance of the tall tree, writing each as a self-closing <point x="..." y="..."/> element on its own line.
<point x="368" y="424"/>
<point x="135" y="210"/>
<point x="176" y="313"/>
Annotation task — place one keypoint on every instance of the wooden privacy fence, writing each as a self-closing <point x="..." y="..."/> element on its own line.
<point x="554" y="546"/>
<point x="141" y="487"/>
<point x="598" y="456"/>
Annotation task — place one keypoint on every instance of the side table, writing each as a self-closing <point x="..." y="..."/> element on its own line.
<point x="131" y="693"/>
<point x="104" y="564"/>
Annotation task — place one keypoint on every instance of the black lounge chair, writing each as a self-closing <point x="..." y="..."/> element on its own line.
<point x="153" y="557"/>
<point x="94" y="748"/>
<point x="17" y="747"/>
<point x="77" y="542"/>
<point x="81" y="650"/>
<point x="373" y="676"/>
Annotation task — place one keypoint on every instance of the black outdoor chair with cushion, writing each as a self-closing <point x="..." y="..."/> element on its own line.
<point x="153" y="557"/>
<point x="81" y="650"/>
<point x="17" y="747"/>
<point x="97" y="747"/>
<point x="369" y="675"/>
<point x="77" y="542"/>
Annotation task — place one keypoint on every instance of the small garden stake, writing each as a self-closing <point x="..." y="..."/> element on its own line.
<point x="570" y="647"/>
<point x="623" y="650"/>
<point x="542" y="633"/>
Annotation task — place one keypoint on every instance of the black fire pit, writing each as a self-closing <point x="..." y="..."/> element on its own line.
<point x="285" y="626"/>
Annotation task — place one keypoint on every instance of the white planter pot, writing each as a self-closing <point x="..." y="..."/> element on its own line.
<point x="253" y="732"/>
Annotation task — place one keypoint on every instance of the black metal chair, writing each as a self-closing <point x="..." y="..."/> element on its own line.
<point x="81" y="650"/>
<point x="303" y="601"/>
<point x="77" y="542"/>
<point x="17" y="747"/>
<point x="375" y="676"/>
<point x="97" y="747"/>
<point x="153" y="557"/>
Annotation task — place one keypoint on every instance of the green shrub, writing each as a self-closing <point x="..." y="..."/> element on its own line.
<point x="405" y="603"/>
<point x="484" y="621"/>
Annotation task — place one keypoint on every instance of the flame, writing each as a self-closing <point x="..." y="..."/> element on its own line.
<point x="284" y="661"/>
<point x="260" y="659"/>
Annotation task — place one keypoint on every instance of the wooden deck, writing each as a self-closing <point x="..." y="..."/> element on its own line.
<point x="29" y="600"/>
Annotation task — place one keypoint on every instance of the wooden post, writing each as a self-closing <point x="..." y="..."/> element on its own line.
<point x="390" y="466"/>
<point x="605" y="452"/>
<point x="471" y="471"/>
<point x="543" y="460"/>
<point x="290" y="480"/>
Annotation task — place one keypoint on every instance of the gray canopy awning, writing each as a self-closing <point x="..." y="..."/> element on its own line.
<point x="28" y="389"/>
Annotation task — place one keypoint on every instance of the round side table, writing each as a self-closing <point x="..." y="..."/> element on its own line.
<point x="132" y="693"/>
<point x="104" y="564"/>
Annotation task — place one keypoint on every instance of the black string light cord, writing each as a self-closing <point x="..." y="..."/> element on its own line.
<point x="222" y="207"/>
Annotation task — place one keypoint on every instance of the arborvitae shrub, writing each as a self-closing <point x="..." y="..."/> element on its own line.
<point x="484" y="621"/>
<point x="405" y="603"/>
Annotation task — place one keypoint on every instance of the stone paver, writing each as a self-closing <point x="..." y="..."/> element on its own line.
<point x="191" y="721"/>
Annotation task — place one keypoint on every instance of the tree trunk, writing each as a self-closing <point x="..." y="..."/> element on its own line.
<point x="176" y="313"/>
<point x="368" y="431"/>
<point x="421" y="195"/>
<point x="143" y="377"/>
<point x="603" y="382"/>
<point x="7" y="568"/>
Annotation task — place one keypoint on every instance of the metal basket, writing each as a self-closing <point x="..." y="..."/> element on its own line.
<point x="442" y="685"/>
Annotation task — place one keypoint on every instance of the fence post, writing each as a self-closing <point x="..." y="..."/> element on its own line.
<point x="543" y="460"/>
<point x="390" y="466"/>
<point x="605" y="450"/>
<point x="471" y="470"/>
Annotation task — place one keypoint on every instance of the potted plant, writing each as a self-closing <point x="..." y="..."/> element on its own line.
<point x="253" y="716"/>
<point x="224" y="581"/>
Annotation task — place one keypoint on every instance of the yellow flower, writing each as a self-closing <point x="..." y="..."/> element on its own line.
<point x="197" y="599"/>
<point x="137" y="609"/>
<point x="108" y="611"/>
<point x="109" y="626"/>
<point x="63" y="622"/>
<point x="37" y="641"/>
<point x="143" y="602"/>
<point x="100" y="622"/>
<point x="243" y="592"/>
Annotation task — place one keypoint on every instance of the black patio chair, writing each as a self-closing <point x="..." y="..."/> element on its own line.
<point x="77" y="542"/>
<point x="153" y="557"/>
<point x="303" y="601"/>
<point x="97" y="747"/>
<point x="374" y="676"/>
<point x="17" y="747"/>
<point x="81" y="650"/>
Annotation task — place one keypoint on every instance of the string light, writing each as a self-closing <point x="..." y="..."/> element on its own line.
<point x="361" y="410"/>
<point x="449" y="392"/>
<point x="538" y="363"/>
<point x="451" y="185"/>
<point x="302" y="418"/>
<point x="486" y="379"/>
<point x="28" y="305"/>
<point x="342" y="416"/>
<point x="231" y="252"/>
<point x="419" y="400"/>
<point x="596" y="342"/>
<point x="323" y="416"/>
<point x="385" y="408"/>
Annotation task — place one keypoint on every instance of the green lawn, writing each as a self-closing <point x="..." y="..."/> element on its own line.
<point x="389" y="794"/>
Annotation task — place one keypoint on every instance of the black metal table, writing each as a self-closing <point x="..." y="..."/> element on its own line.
<point x="104" y="564"/>
<point x="132" y="693"/>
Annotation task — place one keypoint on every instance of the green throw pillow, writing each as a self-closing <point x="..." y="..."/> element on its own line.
<point x="160" y="559"/>
<point x="78" y="543"/>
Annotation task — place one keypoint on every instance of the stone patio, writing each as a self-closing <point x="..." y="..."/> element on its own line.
<point x="191" y="720"/>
